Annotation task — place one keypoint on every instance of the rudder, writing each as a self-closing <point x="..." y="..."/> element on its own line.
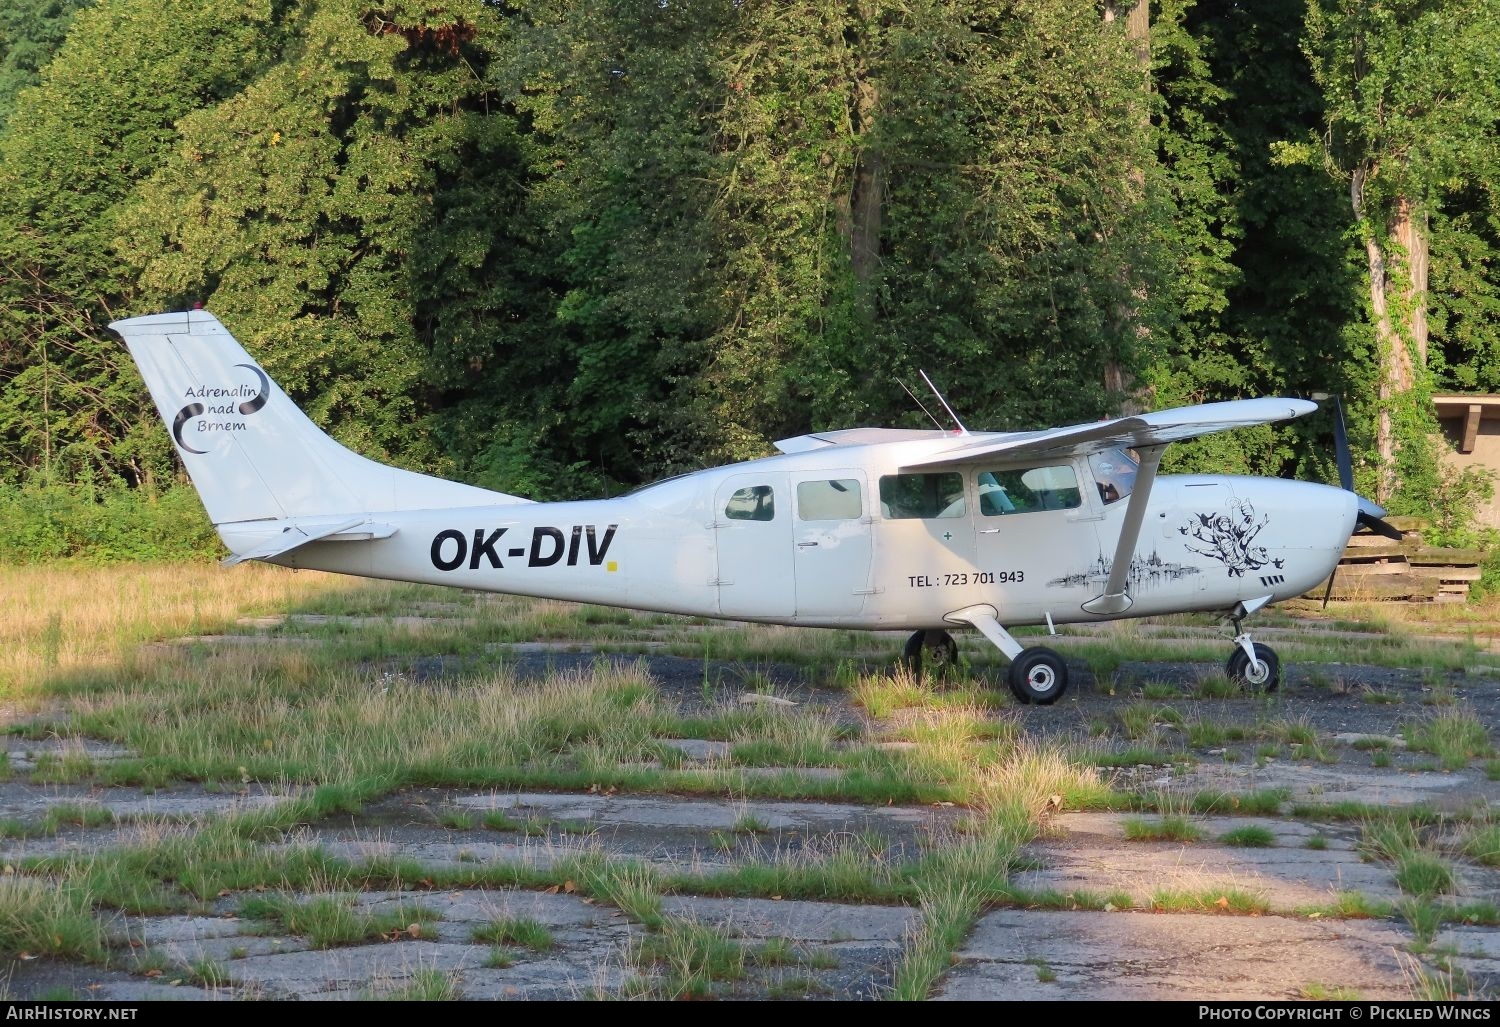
<point x="252" y="455"/>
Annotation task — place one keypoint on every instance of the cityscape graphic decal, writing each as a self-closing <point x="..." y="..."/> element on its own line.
<point x="1145" y="573"/>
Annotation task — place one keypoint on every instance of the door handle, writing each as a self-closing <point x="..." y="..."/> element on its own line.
<point x="805" y="545"/>
<point x="989" y="531"/>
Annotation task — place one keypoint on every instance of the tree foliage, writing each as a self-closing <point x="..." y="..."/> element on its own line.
<point x="563" y="247"/>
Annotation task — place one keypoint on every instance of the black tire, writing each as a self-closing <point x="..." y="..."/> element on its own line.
<point x="1238" y="670"/>
<point x="932" y="651"/>
<point x="1038" y="676"/>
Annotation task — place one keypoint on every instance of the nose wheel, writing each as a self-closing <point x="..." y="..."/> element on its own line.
<point x="1255" y="667"/>
<point x="932" y="651"/>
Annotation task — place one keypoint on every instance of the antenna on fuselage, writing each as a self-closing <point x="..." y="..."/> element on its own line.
<point x="919" y="403"/>
<point x="961" y="429"/>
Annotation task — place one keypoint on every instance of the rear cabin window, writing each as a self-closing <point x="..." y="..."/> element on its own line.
<point x="755" y="503"/>
<point x="833" y="500"/>
<point x="1028" y="489"/>
<point x="922" y="496"/>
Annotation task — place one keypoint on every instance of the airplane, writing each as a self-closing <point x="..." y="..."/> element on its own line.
<point x="920" y="530"/>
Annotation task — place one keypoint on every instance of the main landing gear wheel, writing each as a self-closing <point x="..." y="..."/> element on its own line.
<point x="1263" y="677"/>
<point x="1038" y="675"/>
<point x="934" y="651"/>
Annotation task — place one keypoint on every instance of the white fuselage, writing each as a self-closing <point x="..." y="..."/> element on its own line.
<point x="812" y="538"/>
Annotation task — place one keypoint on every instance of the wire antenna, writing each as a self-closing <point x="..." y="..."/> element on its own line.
<point x="961" y="429"/>
<point x="919" y="403"/>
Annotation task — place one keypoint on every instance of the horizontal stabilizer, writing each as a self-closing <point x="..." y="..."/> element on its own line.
<point x="292" y="536"/>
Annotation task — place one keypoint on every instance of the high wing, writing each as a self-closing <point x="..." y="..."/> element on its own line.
<point x="1141" y="431"/>
<point x="1148" y="435"/>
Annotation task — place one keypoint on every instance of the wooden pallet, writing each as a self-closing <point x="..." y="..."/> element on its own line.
<point x="1374" y="568"/>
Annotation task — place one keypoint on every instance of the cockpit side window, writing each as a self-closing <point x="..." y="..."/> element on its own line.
<point x="922" y="496"/>
<point x="1114" y="473"/>
<point x="1028" y="489"/>
<point x="832" y="500"/>
<point x="755" y="503"/>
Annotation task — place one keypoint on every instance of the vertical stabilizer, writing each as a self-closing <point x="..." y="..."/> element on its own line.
<point x="251" y="453"/>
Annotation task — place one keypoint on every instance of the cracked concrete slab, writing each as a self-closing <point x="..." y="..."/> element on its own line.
<point x="379" y="967"/>
<point x="799" y="920"/>
<point x="436" y="848"/>
<point x="26" y="801"/>
<point x="1088" y="852"/>
<point x="1317" y="783"/>
<point x="24" y="755"/>
<point x="703" y="814"/>
<point x="1137" y="956"/>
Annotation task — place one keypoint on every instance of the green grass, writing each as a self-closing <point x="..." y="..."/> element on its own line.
<point x="1425" y="875"/>
<point x="426" y="986"/>
<point x="337" y="723"/>
<point x="796" y="986"/>
<point x="750" y="823"/>
<point x="1136" y="756"/>
<point x="1423" y="916"/>
<point x="1206" y="733"/>
<point x="1172" y="828"/>
<point x="1261" y="802"/>
<point x="329" y="921"/>
<point x="1216" y="686"/>
<point x="1324" y="993"/>
<point x="38" y="918"/>
<point x="1454" y="735"/>
<point x="1291" y="732"/>
<point x="1142" y="720"/>
<point x="208" y="973"/>
<point x="1251" y="836"/>
<point x="521" y="931"/>
<point x="1044" y="973"/>
<point x="1349" y="905"/>
<point x="688" y="959"/>
<point x="1314" y="751"/>
<point x="1483" y="845"/>
<point x="1231" y="900"/>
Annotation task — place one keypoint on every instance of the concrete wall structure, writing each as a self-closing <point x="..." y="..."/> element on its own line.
<point x="1471" y="424"/>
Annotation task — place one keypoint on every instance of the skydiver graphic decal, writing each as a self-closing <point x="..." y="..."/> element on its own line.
<point x="1227" y="537"/>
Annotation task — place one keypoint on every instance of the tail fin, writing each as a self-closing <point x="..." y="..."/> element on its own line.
<point x="251" y="453"/>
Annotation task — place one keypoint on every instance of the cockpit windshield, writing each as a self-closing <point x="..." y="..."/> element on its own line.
<point x="1114" y="473"/>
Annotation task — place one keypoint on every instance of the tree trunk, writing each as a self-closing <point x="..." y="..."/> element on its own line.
<point x="1409" y="229"/>
<point x="1117" y="379"/>
<point x="1397" y="370"/>
<point x="867" y="202"/>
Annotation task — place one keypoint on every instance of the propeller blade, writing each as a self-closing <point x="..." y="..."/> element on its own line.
<point x="1341" y="446"/>
<point x="1328" y="592"/>
<point x="1378" y="525"/>
<point x="1371" y="515"/>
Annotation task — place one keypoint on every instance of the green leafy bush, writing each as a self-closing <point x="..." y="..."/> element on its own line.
<point x="42" y="522"/>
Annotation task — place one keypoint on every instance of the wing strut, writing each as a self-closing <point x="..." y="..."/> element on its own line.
<point x="1115" y="599"/>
